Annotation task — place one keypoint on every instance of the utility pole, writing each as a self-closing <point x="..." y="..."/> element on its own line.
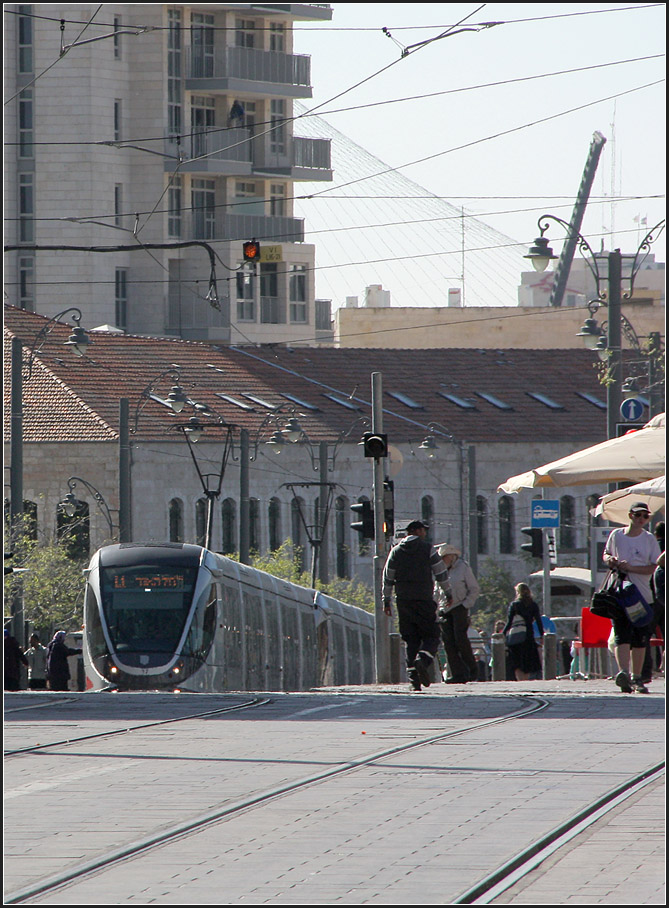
<point x="16" y="482"/>
<point x="124" y="492"/>
<point x="382" y="620"/>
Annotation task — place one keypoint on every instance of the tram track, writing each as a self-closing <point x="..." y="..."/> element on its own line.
<point x="67" y="742"/>
<point x="532" y="705"/>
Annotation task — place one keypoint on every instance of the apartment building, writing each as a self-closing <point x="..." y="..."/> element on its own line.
<point x="133" y="128"/>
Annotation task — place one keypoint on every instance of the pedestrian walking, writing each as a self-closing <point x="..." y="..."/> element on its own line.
<point x="453" y="616"/>
<point x="13" y="657"/>
<point x="57" y="666"/>
<point x="36" y="656"/>
<point x="411" y="569"/>
<point x="633" y="552"/>
<point x="519" y="632"/>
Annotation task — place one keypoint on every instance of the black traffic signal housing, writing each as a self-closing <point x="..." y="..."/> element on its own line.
<point x="251" y="250"/>
<point x="536" y="546"/>
<point x="375" y="445"/>
<point x="364" y="526"/>
<point x="389" y="508"/>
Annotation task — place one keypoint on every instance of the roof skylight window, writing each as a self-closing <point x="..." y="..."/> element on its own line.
<point x="233" y="400"/>
<point x="546" y="401"/>
<point x="460" y="401"/>
<point x="406" y="400"/>
<point x="342" y="401"/>
<point x="495" y="401"/>
<point x="300" y="403"/>
<point x="591" y="399"/>
<point x="260" y="401"/>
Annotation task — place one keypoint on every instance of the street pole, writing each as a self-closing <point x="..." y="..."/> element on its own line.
<point x="124" y="493"/>
<point x="613" y="389"/>
<point x="321" y="529"/>
<point x="16" y="483"/>
<point x="382" y="622"/>
<point x="244" y="501"/>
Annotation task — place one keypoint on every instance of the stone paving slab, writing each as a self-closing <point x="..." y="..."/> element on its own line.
<point x="414" y="828"/>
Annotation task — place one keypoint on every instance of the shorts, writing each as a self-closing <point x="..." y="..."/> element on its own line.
<point x="626" y="632"/>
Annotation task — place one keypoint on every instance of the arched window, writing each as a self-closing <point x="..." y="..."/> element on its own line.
<point x="427" y="515"/>
<point x="341" y="536"/>
<point x="228" y="522"/>
<point x="75" y="531"/>
<point x="200" y="521"/>
<point x="591" y="502"/>
<point x="297" y="533"/>
<point x="482" y="525"/>
<point x="254" y="525"/>
<point x="176" y="519"/>
<point x="567" y="523"/>
<point x="30" y="519"/>
<point x="274" y="517"/>
<point x="506" y="525"/>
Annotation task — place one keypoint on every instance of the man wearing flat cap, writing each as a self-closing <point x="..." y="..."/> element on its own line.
<point x="412" y="567"/>
<point x="454" y="617"/>
<point x="633" y="552"/>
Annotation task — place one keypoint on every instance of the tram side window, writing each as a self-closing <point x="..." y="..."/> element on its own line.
<point x="96" y="639"/>
<point x="203" y="625"/>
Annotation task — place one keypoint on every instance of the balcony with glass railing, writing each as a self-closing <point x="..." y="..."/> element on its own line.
<point x="210" y="223"/>
<point x="217" y="67"/>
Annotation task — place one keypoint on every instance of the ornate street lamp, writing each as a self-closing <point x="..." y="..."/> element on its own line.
<point x="71" y="505"/>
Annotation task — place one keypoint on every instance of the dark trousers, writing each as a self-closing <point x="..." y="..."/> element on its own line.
<point x="461" y="661"/>
<point x="418" y="628"/>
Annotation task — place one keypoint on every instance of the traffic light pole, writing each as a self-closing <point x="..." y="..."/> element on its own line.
<point x="382" y="622"/>
<point x="546" y="556"/>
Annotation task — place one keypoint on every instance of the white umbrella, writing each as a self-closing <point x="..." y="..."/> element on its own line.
<point x="615" y="506"/>
<point x="630" y="458"/>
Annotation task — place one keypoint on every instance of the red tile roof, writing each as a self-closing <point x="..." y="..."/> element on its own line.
<point x="70" y="398"/>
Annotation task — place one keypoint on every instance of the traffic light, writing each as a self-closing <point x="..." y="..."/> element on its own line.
<point x="364" y="526"/>
<point x="536" y="547"/>
<point x="251" y="251"/>
<point x="389" y="507"/>
<point x="375" y="445"/>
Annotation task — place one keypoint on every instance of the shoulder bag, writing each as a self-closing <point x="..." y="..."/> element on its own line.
<point x="517" y="633"/>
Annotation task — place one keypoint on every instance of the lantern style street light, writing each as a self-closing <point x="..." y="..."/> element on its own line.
<point x="71" y="504"/>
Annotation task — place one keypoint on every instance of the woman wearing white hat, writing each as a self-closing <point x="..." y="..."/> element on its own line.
<point x="454" y="617"/>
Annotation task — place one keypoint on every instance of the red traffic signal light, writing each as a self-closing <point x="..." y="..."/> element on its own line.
<point x="251" y="251"/>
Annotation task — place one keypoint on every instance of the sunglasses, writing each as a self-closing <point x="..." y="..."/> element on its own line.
<point x="644" y="514"/>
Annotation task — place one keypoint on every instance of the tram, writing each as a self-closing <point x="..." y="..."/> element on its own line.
<point x="175" y="616"/>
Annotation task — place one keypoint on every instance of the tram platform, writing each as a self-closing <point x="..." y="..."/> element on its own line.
<point x="402" y="825"/>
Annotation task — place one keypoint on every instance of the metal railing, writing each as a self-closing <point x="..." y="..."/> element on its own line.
<point x="247" y="63"/>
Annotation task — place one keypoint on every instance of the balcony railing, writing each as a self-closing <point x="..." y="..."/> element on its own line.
<point x="249" y="64"/>
<point x="239" y="145"/>
<point x="217" y="145"/>
<point x="211" y="224"/>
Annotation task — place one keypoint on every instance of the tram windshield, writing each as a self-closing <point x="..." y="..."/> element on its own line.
<point x="146" y="606"/>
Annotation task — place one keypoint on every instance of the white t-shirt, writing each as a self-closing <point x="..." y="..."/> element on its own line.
<point x="642" y="549"/>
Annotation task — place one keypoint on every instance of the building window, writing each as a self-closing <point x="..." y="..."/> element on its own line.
<point x="567" y="523"/>
<point x="277" y="37"/>
<point x="341" y="537"/>
<point x="26" y="207"/>
<point x="202" y="119"/>
<point x="174" y="203"/>
<point x="277" y="136"/>
<point x="121" y="297"/>
<point x="118" y="203"/>
<point x="202" y="44"/>
<point x="176" y="519"/>
<point x="229" y="521"/>
<point x="174" y="119"/>
<point x="297" y="533"/>
<point x="277" y="200"/>
<point x="29" y="525"/>
<point x="269" y="294"/>
<point x="204" y="213"/>
<point x="254" y="525"/>
<point x="245" y="296"/>
<point x="117" y="119"/>
<point x="274" y="516"/>
<point x="26" y="135"/>
<point x="427" y="515"/>
<point x="25" y="39"/>
<point x="481" y="525"/>
<point x="27" y="283"/>
<point x="75" y="531"/>
<point x="117" y="38"/>
<point x="506" y="526"/>
<point x="297" y="284"/>
<point x="201" y="521"/>
<point x="593" y="520"/>
<point x="245" y="33"/>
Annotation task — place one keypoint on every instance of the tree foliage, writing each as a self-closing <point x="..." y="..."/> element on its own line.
<point x="497" y="591"/>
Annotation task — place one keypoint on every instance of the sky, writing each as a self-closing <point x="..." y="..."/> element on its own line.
<point x="453" y="142"/>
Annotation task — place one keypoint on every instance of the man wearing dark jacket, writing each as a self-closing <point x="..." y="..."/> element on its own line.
<point x="411" y="568"/>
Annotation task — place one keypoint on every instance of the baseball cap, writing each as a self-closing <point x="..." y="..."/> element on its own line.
<point x="416" y="525"/>
<point x="639" y="507"/>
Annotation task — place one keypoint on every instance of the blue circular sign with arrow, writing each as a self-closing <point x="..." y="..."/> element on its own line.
<point x="631" y="409"/>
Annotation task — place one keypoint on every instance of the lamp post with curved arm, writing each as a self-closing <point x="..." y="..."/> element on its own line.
<point x="71" y="504"/>
<point x="610" y="293"/>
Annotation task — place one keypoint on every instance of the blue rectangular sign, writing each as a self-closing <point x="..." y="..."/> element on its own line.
<point x="546" y="513"/>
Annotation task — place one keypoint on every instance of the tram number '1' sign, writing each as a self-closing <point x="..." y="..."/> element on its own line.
<point x="546" y="513"/>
